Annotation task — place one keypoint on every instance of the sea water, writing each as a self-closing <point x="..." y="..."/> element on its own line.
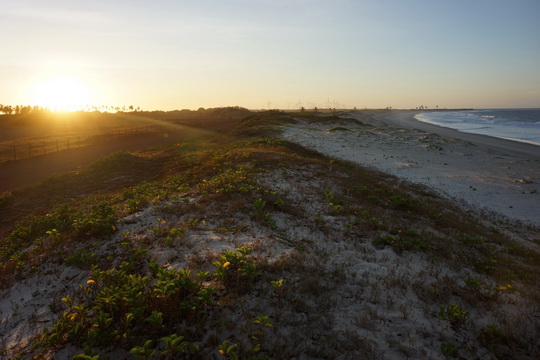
<point x="513" y="124"/>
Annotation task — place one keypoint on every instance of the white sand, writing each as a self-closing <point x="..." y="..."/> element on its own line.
<point x="486" y="173"/>
<point x="372" y="297"/>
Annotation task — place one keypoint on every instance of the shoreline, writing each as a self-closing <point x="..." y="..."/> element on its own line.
<point x="482" y="173"/>
<point x="419" y="115"/>
<point x="406" y="119"/>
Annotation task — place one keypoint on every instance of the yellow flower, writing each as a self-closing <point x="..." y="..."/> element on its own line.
<point x="505" y="287"/>
<point x="90" y="281"/>
<point x="73" y="316"/>
<point x="221" y="352"/>
<point x="226" y="264"/>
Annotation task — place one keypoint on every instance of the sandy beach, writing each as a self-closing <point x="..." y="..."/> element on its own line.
<point x="349" y="263"/>
<point x="484" y="173"/>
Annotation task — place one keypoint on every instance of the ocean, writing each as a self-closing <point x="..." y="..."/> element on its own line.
<point x="513" y="124"/>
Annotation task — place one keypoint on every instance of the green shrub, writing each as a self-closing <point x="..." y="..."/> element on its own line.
<point x="454" y="314"/>
<point x="35" y="227"/>
<point x="116" y="304"/>
<point x="83" y="259"/>
<point x="237" y="180"/>
<point x="235" y="270"/>
<point x="99" y="221"/>
<point x="173" y="234"/>
<point x="139" y="196"/>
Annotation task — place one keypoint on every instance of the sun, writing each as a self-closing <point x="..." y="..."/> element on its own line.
<point x="62" y="94"/>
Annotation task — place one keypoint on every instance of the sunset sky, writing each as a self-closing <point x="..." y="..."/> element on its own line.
<point x="271" y="53"/>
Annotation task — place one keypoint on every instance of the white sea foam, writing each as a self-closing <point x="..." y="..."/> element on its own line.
<point x="513" y="124"/>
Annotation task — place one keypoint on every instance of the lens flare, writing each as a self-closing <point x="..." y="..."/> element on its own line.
<point x="62" y="94"/>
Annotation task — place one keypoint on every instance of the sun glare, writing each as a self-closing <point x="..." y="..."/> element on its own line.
<point x="62" y="94"/>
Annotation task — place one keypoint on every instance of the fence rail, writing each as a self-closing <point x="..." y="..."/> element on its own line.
<point x="23" y="150"/>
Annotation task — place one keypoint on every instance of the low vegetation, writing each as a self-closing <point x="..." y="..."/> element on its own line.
<point x="246" y="246"/>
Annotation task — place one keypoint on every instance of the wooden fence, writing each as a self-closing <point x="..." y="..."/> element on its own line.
<point x="23" y="150"/>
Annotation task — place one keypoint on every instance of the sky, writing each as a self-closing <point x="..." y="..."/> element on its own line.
<point x="263" y="54"/>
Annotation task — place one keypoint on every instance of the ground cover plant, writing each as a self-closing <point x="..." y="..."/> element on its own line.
<point x="247" y="246"/>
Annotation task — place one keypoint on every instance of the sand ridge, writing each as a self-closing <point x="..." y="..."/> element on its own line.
<point x="347" y="295"/>
<point x="489" y="174"/>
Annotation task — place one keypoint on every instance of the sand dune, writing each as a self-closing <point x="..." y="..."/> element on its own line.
<point x="480" y="172"/>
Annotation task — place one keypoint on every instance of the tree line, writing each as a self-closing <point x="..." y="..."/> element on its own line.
<point x="21" y="110"/>
<point x="27" y="109"/>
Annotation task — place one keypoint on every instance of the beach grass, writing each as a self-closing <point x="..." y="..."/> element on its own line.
<point x="246" y="245"/>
